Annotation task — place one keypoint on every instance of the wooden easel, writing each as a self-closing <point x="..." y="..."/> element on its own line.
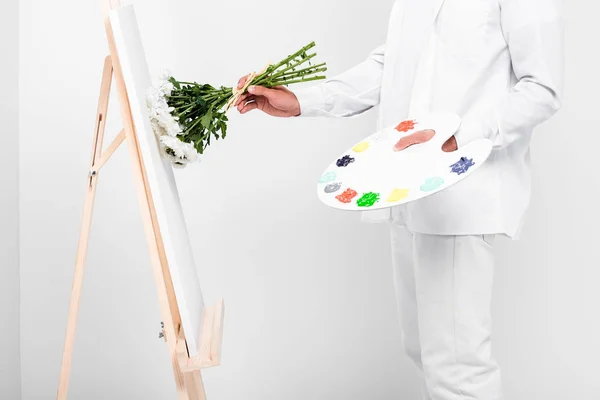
<point x="188" y="378"/>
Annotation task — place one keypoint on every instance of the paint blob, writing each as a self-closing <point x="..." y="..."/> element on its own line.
<point x="347" y="196"/>
<point x="432" y="184"/>
<point x="344" y="161"/>
<point x="368" y="199"/>
<point x="397" y="195"/>
<point x="359" y="148"/>
<point x="406" y="126"/>
<point x="415" y="138"/>
<point x="333" y="187"/>
<point x="462" y="166"/>
<point x="328" y="177"/>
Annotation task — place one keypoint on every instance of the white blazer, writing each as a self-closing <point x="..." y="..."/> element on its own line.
<point x="498" y="64"/>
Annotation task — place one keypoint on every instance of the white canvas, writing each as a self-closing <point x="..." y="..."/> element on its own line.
<point x="160" y="176"/>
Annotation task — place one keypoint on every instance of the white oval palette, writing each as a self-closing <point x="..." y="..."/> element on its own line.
<point x="372" y="176"/>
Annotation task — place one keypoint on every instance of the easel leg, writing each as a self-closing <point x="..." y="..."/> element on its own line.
<point x="86" y="223"/>
<point x="166" y="293"/>
<point x="167" y="303"/>
<point x="194" y="385"/>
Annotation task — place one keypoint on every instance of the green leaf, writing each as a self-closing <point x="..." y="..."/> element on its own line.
<point x="207" y="119"/>
<point x="200" y="101"/>
<point x="224" y="131"/>
<point x="175" y="83"/>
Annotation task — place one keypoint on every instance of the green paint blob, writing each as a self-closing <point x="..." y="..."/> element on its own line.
<point x="368" y="199"/>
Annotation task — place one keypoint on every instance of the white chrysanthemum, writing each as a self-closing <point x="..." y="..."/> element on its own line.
<point x="166" y="126"/>
<point x="175" y="161"/>
<point x="160" y="113"/>
<point x="191" y="154"/>
<point x="166" y="88"/>
<point x="174" y="144"/>
<point x="182" y="153"/>
<point x="158" y="131"/>
<point x="164" y="76"/>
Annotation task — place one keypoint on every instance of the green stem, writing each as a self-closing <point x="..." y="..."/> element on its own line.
<point x="300" y="71"/>
<point x="296" y="54"/>
<point x="314" y="78"/>
<point x="191" y="127"/>
<point x="299" y="75"/>
<point x="305" y="60"/>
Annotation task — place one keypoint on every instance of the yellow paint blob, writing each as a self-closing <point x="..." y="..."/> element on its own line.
<point x="359" y="148"/>
<point x="397" y="195"/>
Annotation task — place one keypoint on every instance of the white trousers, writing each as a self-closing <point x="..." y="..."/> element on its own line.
<point x="444" y="292"/>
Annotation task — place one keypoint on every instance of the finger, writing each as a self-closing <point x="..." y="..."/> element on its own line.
<point x="243" y="99"/>
<point x="248" y="99"/>
<point x="270" y="94"/>
<point x="450" y="145"/>
<point x="242" y="81"/>
<point x="249" y="107"/>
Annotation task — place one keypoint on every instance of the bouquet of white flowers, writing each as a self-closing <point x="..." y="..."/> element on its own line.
<point x="186" y="115"/>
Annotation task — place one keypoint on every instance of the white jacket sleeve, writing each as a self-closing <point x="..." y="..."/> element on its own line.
<point x="351" y="93"/>
<point x="534" y="32"/>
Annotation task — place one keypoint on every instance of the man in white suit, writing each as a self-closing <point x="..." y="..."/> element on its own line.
<point x="498" y="64"/>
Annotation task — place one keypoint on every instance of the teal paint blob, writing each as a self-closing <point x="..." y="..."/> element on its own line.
<point x="432" y="184"/>
<point x="328" y="177"/>
<point x="368" y="199"/>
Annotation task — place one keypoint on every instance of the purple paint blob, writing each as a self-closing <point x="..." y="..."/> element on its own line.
<point x="344" y="161"/>
<point x="462" y="166"/>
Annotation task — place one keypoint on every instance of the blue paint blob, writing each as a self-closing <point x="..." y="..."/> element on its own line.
<point x="344" y="161"/>
<point x="328" y="177"/>
<point x="462" y="166"/>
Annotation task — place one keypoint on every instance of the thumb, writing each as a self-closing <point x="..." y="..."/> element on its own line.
<point x="270" y="94"/>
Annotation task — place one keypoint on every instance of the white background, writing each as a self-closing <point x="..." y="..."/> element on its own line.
<point x="310" y="308"/>
<point x="10" y="384"/>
